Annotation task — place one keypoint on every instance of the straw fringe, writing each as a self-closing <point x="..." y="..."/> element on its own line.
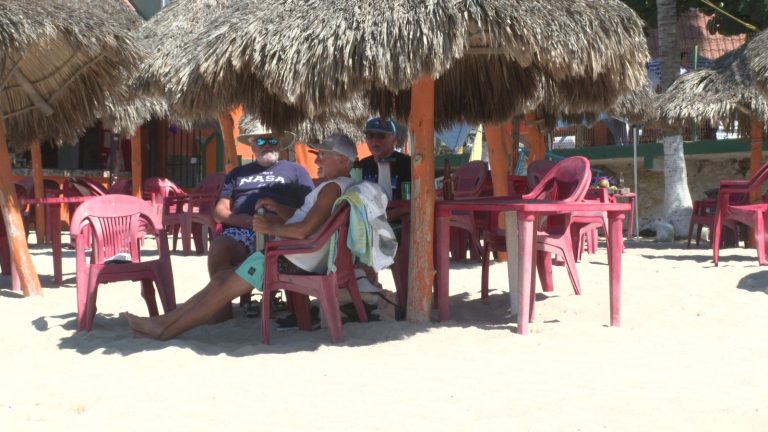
<point x="75" y="58"/>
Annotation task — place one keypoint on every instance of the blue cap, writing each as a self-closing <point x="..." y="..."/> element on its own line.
<point x="376" y="124"/>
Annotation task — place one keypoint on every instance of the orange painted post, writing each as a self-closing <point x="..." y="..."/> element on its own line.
<point x="136" y="163"/>
<point x="228" y="132"/>
<point x="535" y="139"/>
<point x="756" y="157"/>
<point x="37" y="179"/>
<point x="421" y="268"/>
<point x="14" y="227"/>
<point x="497" y="156"/>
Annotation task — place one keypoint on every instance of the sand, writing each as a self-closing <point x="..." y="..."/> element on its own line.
<point x="690" y="356"/>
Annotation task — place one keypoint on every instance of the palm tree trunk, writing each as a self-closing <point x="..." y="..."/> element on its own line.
<point x="677" y="197"/>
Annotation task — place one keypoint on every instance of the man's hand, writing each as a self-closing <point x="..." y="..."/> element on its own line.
<point x="283" y="211"/>
<point x="261" y="224"/>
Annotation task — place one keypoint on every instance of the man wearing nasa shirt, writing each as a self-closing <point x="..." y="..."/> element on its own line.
<point x="285" y="182"/>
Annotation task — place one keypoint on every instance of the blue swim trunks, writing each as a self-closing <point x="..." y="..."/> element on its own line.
<point x="244" y="236"/>
<point x="252" y="270"/>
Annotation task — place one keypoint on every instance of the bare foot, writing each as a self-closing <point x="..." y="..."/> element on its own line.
<point x="145" y="327"/>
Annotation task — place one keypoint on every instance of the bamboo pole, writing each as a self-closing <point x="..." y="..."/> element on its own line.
<point x="228" y="133"/>
<point x="756" y="150"/>
<point x="14" y="227"/>
<point x="421" y="268"/>
<point x="136" y="163"/>
<point x="37" y="180"/>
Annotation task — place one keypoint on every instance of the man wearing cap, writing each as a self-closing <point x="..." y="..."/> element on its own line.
<point x="284" y="182"/>
<point x="335" y="157"/>
<point x="386" y="166"/>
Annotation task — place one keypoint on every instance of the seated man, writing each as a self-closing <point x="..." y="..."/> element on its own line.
<point x="389" y="168"/>
<point x="284" y="182"/>
<point x="335" y="158"/>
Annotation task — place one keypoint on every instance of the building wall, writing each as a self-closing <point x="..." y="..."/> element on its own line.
<point x="703" y="174"/>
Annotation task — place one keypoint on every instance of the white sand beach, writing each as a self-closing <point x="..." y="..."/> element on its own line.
<point x="690" y="356"/>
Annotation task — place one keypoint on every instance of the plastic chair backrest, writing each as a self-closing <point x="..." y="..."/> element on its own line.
<point x="537" y="170"/>
<point x="567" y="181"/>
<point x="90" y="184"/>
<point x="124" y="187"/>
<point x="469" y="178"/>
<point x="156" y="189"/>
<point x="50" y="186"/>
<point x="212" y="183"/>
<point x="117" y="223"/>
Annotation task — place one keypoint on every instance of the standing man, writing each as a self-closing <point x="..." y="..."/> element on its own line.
<point x="285" y="182"/>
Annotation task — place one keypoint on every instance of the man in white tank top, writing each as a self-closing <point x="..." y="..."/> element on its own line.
<point x="335" y="156"/>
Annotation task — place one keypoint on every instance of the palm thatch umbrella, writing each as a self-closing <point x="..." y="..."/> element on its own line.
<point x="719" y="92"/>
<point x="179" y="82"/>
<point x="59" y="62"/>
<point x="726" y="91"/>
<point x="757" y="53"/>
<point x="490" y="58"/>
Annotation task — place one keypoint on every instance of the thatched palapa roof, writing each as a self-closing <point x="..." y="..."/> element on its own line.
<point x="489" y="57"/>
<point x="757" y="54"/>
<point x="127" y="109"/>
<point x="60" y="62"/>
<point x="168" y="74"/>
<point x="348" y="118"/>
<point x="717" y="93"/>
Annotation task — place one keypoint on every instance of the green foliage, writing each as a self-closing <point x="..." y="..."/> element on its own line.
<point x="754" y="12"/>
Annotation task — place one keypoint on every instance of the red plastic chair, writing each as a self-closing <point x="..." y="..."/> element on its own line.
<point x="324" y="287"/>
<point x="191" y="214"/>
<point x="156" y="189"/>
<point x="5" y="252"/>
<point x="121" y="187"/>
<point x="703" y="214"/>
<point x="729" y="213"/>
<point x="115" y="222"/>
<point x="584" y="225"/>
<point x="469" y="180"/>
<point x="567" y="181"/>
<point x="25" y="188"/>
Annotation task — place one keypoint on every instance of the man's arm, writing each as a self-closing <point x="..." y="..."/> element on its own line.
<point x="318" y="214"/>
<point x="223" y="214"/>
<point x="283" y="211"/>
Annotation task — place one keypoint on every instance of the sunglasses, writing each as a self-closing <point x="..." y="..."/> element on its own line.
<point x="264" y="141"/>
<point x="375" y="135"/>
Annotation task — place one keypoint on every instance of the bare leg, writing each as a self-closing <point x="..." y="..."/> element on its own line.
<point x="225" y="254"/>
<point x="198" y="310"/>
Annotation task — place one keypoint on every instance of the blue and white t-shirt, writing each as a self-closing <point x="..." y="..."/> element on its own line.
<point x="285" y="182"/>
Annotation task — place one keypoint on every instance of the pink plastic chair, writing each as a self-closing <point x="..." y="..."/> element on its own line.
<point x="584" y="225"/>
<point x="729" y="213"/>
<point x="192" y="214"/>
<point x="122" y="187"/>
<point x="325" y="287"/>
<point x="5" y="252"/>
<point x="469" y="180"/>
<point x="25" y="189"/>
<point x="114" y="222"/>
<point x="567" y="181"/>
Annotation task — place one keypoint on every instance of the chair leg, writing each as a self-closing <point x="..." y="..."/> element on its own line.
<point x="570" y="265"/>
<point x="86" y="302"/>
<point x="329" y="304"/>
<point x="148" y="293"/>
<point x="357" y="300"/>
<point x="484" y="273"/>
<point x="266" y="310"/>
<point x="544" y="268"/>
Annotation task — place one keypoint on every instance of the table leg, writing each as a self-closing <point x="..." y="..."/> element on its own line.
<point x="54" y="228"/>
<point x="442" y="241"/>
<point x="521" y="265"/>
<point x="615" y="246"/>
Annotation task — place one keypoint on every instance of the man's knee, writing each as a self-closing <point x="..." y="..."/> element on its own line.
<point x="225" y="253"/>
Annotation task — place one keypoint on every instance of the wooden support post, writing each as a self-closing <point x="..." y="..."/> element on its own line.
<point x="421" y="268"/>
<point x="535" y="139"/>
<point x="37" y="179"/>
<point x="136" y="167"/>
<point x="497" y="156"/>
<point x="228" y="132"/>
<point x="9" y="205"/>
<point x="756" y="154"/>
